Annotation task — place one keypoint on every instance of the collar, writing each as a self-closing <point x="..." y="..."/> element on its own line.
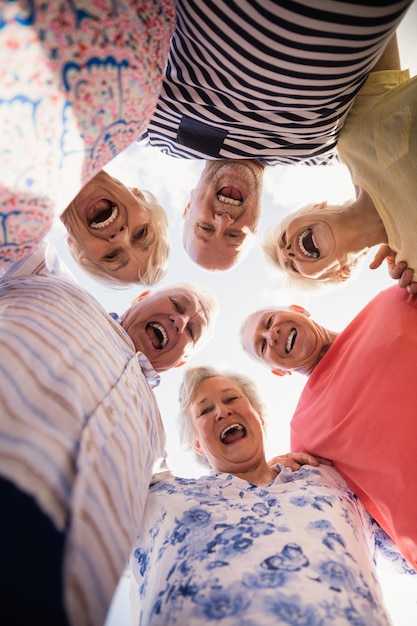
<point x="150" y="374"/>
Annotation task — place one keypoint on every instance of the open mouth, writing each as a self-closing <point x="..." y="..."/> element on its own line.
<point x="292" y="336"/>
<point x="157" y="334"/>
<point x="232" y="433"/>
<point x="105" y="215"/>
<point x="307" y="244"/>
<point x="230" y="195"/>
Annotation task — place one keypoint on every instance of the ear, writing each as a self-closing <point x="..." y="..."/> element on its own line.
<point x="187" y="208"/>
<point x="320" y="205"/>
<point x="136" y="192"/>
<point x="296" y="308"/>
<point x="198" y="448"/>
<point x="180" y="363"/>
<point x="142" y="296"/>
<point x="279" y="372"/>
<point x="344" y="273"/>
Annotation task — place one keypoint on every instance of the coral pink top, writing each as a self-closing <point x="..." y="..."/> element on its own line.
<point x="359" y="409"/>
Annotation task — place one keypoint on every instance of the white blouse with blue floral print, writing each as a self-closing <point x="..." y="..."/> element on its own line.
<point x="220" y="550"/>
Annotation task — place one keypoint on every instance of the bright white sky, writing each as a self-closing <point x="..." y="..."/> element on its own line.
<point x="245" y="288"/>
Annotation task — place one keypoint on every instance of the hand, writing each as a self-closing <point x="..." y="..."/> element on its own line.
<point x="398" y="271"/>
<point x="294" y="460"/>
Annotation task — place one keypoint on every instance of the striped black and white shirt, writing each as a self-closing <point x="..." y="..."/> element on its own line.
<point x="266" y="79"/>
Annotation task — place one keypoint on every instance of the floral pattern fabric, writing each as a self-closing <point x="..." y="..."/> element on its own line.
<point x="221" y="550"/>
<point x="79" y="83"/>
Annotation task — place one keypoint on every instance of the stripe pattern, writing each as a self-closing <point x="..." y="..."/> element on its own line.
<point x="80" y="429"/>
<point x="267" y="79"/>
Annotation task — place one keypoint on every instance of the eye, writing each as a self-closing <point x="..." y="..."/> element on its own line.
<point x="262" y="346"/>
<point x="283" y="239"/>
<point x="176" y="305"/>
<point x="230" y="399"/>
<point x="268" y="322"/>
<point x="141" y="233"/>
<point x="110" y="256"/>
<point x="206" y="228"/>
<point x="206" y="410"/>
<point x="190" y="331"/>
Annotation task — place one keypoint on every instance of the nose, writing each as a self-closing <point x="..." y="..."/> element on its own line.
<point x="271" y="334"/>
<point x="222" y="412"/>
<point x="288" y="251"/>
<point x="180" y="322"/>
<point x="223" y="216"/>
<point x="119" y="234"/>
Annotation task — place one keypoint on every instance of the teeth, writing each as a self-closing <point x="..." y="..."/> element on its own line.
<point x="304" y="234"/>
<point x="227" y="200"/>
<point x="109" y="220"/>
<point x="290" y="340"/>
<point x="229" y="428"/>
<point x="160" y="331"/>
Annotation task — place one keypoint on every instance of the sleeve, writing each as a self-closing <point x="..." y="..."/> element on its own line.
<point x="42" y="261"/>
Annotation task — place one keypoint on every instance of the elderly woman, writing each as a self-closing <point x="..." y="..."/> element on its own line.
<point x="80" y="431"/>
<point x="286" y="339"/>
<point x="117" y="234"/>
<point x="80" y="81"/>
<point x="249" y="543"/>
<point x="321" y="244"/>
<point x="169" y="324"/>
<point x="357" y="406"/>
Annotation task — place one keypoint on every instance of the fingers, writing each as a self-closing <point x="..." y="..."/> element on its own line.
<point x="406" y="277"/>
<point x="294" y="460"/>
<point x="379" y="257"/>
<point x="398" y="271"/>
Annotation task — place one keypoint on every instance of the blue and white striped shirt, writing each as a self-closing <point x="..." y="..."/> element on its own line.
<point x="267" y="79"/>
<point x="80" y="429"/>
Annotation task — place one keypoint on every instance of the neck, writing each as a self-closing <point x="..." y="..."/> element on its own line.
<point x="261" y="474"/>
<point x="325" y="339"/>
<point x="364" y="225"/>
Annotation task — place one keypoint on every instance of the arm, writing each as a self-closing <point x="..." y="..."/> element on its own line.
<point x="390" y="58"/>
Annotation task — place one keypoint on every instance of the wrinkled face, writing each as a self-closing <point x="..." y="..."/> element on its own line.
<point x="114" y="227"/>
<point x="308" y="245"/>
<point x="228" y="430"/>
<point x="284" y="339"/>
<point x="223" y="211"/>
<point x="166" y="326"/>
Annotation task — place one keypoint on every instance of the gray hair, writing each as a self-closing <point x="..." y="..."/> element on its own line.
<point x="193" y="377"/>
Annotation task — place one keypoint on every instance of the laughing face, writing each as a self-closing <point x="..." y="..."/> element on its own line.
<point x="166" y="326"/>
<point x="223" y="212"/>
<point x="309" y="244"/>
<point x="113" y="226"/>
<point x="228" y="430"/>
<point x="288" y="340"/>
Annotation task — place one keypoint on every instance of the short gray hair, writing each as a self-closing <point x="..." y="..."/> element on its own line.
<point x="193" y="377"/>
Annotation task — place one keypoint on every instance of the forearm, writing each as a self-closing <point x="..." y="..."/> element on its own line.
<point x="390" y="58"/>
